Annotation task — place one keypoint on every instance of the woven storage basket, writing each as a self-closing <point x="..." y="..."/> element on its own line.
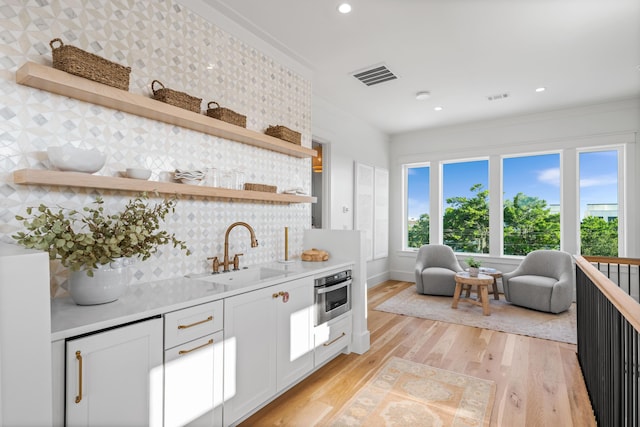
<point x="226" y="115"/>
<point x="175" y="98"/>
<point x="260" y="187"/>
<point x="284" y="133"/>
<point x="93" y="67"/>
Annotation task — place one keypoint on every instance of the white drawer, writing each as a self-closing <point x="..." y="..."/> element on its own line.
<point x="193" y="383"/>
<point x="332" y="338"/>
<point x="191" y="323"/>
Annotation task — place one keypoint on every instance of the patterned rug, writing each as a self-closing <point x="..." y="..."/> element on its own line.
<point x="405" y="393"/>
<point x="505" y="317"/>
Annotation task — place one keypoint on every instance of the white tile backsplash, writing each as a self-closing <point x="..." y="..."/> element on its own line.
<point x="159" y="40"/>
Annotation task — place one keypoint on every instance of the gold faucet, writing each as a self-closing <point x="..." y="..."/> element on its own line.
<point x="236" y="262"/>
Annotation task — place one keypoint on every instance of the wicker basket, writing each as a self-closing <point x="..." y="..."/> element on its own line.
<point x="226" y="115"/>
<point x="260" y="187"/>
<point x="284" y="133"/>
<point x="93" y="67"/>
<point x="175" y="98"/>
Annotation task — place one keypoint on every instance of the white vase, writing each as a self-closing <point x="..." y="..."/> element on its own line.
<point x="108" y="283"/>
<point x="473" y="271"/>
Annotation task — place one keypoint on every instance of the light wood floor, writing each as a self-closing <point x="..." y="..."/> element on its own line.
<point x="539" y="382"/>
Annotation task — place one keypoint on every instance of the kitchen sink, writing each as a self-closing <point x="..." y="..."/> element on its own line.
<point x="241" y="277"/>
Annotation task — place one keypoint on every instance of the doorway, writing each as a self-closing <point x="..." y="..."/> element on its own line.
<point x="318" y="171"/>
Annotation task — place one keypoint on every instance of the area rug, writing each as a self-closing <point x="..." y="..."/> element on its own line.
<point x="405" y="393"/>
<point x="505" y="317"/>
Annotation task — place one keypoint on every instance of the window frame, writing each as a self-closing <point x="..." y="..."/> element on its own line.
<point x="622" y="151"/>
<point x="503" y="157"/>
<point x="405" y="204"/>
<point x="442" y="199"/>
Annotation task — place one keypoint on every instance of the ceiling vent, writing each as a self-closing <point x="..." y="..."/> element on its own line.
<point x="374" y="75"/>
<point x="498" y="96"/>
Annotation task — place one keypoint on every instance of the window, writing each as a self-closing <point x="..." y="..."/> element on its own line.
<point x="465" y="222"/>
<point x="599" y="203"/>
<point x="531" y="203"/>
<point x="417" y="205"/>
<point x="527" y="216"/>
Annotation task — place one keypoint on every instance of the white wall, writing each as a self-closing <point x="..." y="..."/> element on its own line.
<point x="611" y="123"/>
<point x="349" y="139"/>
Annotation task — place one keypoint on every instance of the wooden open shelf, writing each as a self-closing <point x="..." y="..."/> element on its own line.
<point x="83" y="180"/>
<point x="56" y="81"/>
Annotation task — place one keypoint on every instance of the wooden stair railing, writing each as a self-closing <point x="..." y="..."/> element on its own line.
<point x="614" y="265"/>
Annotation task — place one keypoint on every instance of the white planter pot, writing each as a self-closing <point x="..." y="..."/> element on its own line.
<point x="108" y="283"/>
<point x="473" y="271"/>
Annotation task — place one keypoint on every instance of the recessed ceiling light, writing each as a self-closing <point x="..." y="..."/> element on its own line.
<point x="541" y="89"/>
<point x="422" y="95"/>
<point x="344" y="8"/>
<point x="438" y="108"/>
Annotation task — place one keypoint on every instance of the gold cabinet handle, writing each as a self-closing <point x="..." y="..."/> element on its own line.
<point x="181" y="352"/>
<point x="208" y="319"/>
<point x="327" y="344"/>
<point x="79" y="359"/>
<point x="275" y="295"/>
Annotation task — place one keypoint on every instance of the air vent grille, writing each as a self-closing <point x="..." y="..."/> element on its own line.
<point x="374" y="75"/>
<point x="498" y="96"/>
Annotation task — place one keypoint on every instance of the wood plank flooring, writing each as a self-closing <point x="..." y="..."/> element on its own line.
<point x="539" y="382"/>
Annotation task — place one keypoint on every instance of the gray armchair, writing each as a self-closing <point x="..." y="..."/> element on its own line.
<point x="436" y="266"/>
<point x="543" y="281"/>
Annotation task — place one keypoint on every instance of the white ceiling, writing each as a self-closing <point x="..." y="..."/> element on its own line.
<point x="462" y="51"/>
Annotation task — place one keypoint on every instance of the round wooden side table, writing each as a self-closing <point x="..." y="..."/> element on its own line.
<point x="496" y="274"/>
<point x="482" y="283"/>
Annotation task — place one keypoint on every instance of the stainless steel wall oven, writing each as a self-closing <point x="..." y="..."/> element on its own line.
<point x="332" y="296"/>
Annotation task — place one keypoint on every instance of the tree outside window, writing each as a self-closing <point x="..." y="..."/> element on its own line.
<point x="531" y="203"/>
<point x="599" y="203"/>
<point x="417" y="206"/>
<point x="465" y="223"/>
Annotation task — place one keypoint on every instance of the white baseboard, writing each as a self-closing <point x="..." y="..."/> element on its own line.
<point x="377" y="279"/>
<point x="404" y="276"/>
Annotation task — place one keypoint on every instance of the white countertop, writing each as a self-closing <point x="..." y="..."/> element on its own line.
<point x="155" y="298"/>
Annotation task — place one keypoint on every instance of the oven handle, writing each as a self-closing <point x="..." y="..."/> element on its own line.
<point x="321" y="291"/>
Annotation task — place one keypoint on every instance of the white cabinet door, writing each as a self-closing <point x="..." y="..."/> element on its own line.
<point x="268" y="344"/>
<point x="295" y="331"/>
<point x="249" y="352"/>
<point x="193" y="383"/>
<point x="114" y="377"/>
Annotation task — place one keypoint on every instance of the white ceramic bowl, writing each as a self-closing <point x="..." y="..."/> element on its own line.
<point x="70" y="158"/>
<point x="138" y="173"/>
<point x="191" y="181"/>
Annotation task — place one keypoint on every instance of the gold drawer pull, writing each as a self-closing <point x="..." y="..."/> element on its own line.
<point x="208" y="319"/>
<point x="196" y="348"/>
<point x="79" y="359"/>
<point x="327" y="344"/>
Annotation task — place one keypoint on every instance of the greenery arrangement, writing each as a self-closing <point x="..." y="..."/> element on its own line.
<point x="529" y="224"/>
<point x="82" y="240"/>
<point x="473" y="263"/>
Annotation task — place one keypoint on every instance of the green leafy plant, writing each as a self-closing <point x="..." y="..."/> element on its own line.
<point x="82" y="240"/>
<point x="473" y="263"/>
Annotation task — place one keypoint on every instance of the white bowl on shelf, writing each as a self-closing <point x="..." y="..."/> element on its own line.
<point x="70" y="158"/>
<point x="138" y="173"/>
<point x="190" y="181"/>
